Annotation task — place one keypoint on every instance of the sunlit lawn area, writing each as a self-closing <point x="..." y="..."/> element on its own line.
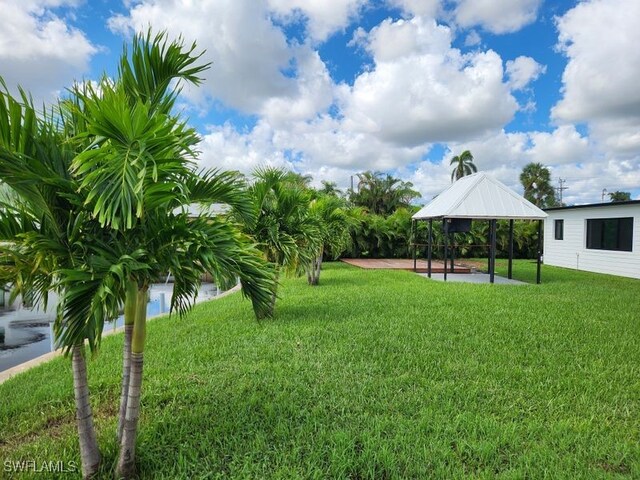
<point x="372" y="374"/>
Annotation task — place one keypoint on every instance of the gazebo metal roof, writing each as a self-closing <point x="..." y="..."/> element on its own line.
<point x="480" y="196"/>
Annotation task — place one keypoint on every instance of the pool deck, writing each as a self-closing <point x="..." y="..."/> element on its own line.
<point x="403" y="264"/>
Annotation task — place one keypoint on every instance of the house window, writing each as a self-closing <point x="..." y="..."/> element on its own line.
<point x="559" y="229"/>
<point x="610" y="234"/>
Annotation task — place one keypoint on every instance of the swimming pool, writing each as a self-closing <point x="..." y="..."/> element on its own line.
<point x="27" y="333"/>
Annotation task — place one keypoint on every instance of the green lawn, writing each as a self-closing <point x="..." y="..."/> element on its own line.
<point x="373" y="374"/>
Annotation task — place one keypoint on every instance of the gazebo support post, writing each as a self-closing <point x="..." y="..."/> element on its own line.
<point x="510" y="269"/>
<point x="446" y="246"/>
<point x="453" y="250"/>
<point x="413" y="240"/>
<point x="489" y="250"/>
<point x="429" y="247"/>
<point x="539" y="251"/>
<point x="492" y="255"/>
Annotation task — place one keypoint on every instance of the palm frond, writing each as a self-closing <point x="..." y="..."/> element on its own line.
<point x="155" y="67"/>
<point x="222" y="187"/>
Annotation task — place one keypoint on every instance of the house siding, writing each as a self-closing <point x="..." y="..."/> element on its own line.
<point x="571" y="252"/>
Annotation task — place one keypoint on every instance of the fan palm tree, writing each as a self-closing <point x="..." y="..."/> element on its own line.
<point x="286" y="232"/>
<point x="536" y="180"/>
<point x="463" y="165"/>
<point x="138" y="180"/>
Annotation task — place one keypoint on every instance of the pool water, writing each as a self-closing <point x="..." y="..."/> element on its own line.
<point x="27" y="333"/>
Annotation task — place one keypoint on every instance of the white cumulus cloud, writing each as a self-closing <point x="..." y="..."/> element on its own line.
<point x="419" y="8"/>
<point x="522" y="71"/>
<point x="496" y="16"/>
<point x="423" y="90"/>
<point x="40" y="50"/>
<point x="249" y="54"/>
<point x="323" y="17"/>
<point x="600" y="82"/>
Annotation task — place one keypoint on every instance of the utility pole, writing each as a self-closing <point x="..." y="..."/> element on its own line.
<point x="561" y="188"/>
<point x="604" y="192"/>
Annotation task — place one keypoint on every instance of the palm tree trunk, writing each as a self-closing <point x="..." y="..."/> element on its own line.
<point x="319" y="265"/>
<point x="129" y="318"/>
<point x="274" y="295"/>
<point x="311" y="272"/>
<point x="313" y="276"/>
<point x="89" y="451"/>
<point x="126" y="460"/>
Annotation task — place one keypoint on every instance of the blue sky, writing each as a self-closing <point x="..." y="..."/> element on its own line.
<point x="335" y="87"/>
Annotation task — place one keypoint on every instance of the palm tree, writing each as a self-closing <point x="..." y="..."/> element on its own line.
<point x="330" y="188"/>
<point x="382" y="194"/>
<point x="301" y="180"/>
<point x="619" y="196"/>
<point x="98" y="235"/>
<point x="329" y="213"/>
<point x="50" y="244"/>
<point x="286" y="232"/>
<point x="463" y="165"/>
<point x="536" y="180"/>
<point x="138" y="180"/>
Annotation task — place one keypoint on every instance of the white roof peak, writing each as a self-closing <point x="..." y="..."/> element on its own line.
<point x="480" y="196"/>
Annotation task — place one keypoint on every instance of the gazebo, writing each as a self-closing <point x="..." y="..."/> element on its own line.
<point x="478" y="197"/>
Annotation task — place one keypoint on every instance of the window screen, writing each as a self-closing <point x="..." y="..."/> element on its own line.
<point x="610" y="234"/>
<point x="559" y="229"/>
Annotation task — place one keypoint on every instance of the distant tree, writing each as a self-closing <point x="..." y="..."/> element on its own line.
<point x="285" y="230"/>
<point x="381" y="193"/>
<point x="330" y="215"/>
<point x="298" y="179"/>
<point x="536" y="180"/>
<point x="619" y="196"/>
<point x="463" y="165"/>
<point x="330" y="188"/>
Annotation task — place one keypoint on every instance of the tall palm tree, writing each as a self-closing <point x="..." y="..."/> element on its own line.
<point x="463" y="165"/>
<point x="286" y="232"/>
<point x="138" y="179"/>
<point x="536" y="180"/>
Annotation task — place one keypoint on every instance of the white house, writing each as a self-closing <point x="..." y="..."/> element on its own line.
<point x="601" y="237"/>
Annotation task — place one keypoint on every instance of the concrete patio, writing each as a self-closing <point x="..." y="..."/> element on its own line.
<point x="472" y="278"/>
